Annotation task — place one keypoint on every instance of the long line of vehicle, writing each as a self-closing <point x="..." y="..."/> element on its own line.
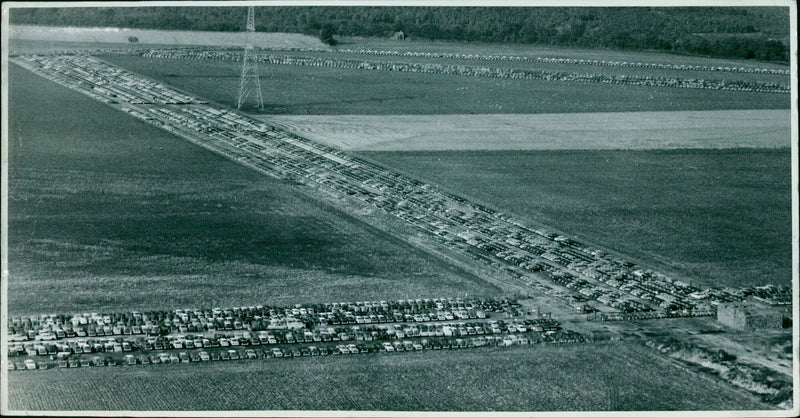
<point x="575" y="271"/>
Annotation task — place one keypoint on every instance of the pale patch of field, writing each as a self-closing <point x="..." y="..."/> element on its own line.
<point x="164" y="37"/>
<point x="622" y="130"/>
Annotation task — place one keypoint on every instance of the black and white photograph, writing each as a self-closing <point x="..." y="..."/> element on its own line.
<point x="387" y="208"/>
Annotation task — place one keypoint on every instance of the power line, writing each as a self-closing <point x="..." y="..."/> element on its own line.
<point x="250" y="81"/>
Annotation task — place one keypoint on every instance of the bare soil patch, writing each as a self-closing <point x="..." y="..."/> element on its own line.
<point x="622" y="130"/>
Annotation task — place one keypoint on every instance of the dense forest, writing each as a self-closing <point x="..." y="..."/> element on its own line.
<point x="741" y="32"/>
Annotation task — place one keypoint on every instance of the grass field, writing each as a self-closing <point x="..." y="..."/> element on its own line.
<point x="300" y="90"/>
<point x="566" y="378"/>
<point x="107" y="213"/>
<point x="165" y="37"/>
<point x="591" y="131"/>
<point x="718" y="217"/>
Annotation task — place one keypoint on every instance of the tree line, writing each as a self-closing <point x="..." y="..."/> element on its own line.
<point x="737" y="32"/>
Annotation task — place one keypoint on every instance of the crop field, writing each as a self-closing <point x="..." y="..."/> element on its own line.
<point x="107" y="212"/>
<point x="590" y="131"/>
<point x="569" y="377"/>
<point x="716" y="217"/>
<point x="290" y="89"/>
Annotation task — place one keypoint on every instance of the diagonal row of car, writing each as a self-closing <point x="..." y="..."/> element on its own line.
<point x="548" y="262"/>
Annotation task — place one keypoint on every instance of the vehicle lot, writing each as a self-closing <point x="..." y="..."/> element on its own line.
<point x="328" y="159"/>
<point x="337" y="91"/>
<point x="197" y="335"/>
<point x="467" y="227"/>
<point x="546" y="69"/>
<point x="52" y="327"/>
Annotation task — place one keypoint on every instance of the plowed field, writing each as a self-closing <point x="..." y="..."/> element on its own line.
<point x="554" y="378"/>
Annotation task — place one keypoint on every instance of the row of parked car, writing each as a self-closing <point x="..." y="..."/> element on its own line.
<point x="553" y="60"/>
<point x="481" y="71"/>
<point x="241" y="353"/>
<point x="54" y="327"/>
<point x="377" y="332"/>
<point x="607" y="63"/>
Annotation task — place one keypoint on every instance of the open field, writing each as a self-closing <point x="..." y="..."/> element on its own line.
<point x="623" y="130"/>
<point x="290" y="89"/>
<point x="168" y="37"/>
<point x="716" y="217"/>
<point x="569" y="377"/>
<point x="108" y="212"/>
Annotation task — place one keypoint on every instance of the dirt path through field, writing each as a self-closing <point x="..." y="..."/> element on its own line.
<point x="623" y="130"/>
<point x="748" y="354"/>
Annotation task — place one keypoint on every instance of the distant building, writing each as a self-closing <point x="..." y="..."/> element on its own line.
<point x="750" y="316"/>
<point x="603" y="335"/>
<point x="399" y="35"/>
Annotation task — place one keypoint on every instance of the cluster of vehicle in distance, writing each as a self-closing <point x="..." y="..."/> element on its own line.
<point x="480" y="71"/>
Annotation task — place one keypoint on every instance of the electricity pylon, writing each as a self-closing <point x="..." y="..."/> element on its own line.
<point x="249" y="82"/>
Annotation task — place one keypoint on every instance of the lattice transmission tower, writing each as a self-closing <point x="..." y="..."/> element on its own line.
<point x="250" y="83"/>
